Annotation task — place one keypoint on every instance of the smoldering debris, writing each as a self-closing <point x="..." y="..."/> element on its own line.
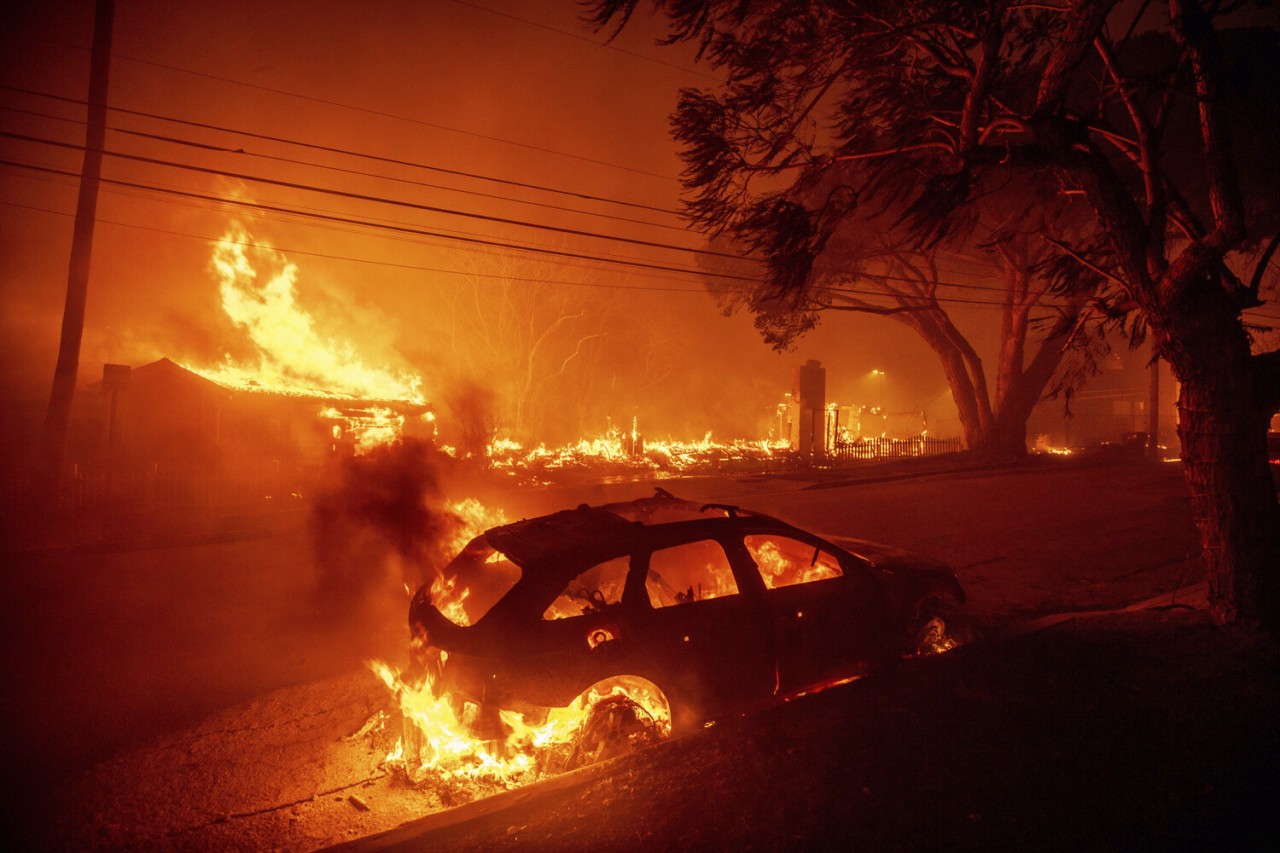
<point x="382" y="521"/>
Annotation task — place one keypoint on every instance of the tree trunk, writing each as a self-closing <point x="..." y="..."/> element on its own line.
<point x="1223" y="427"/>
<point x="1233" y="498"/>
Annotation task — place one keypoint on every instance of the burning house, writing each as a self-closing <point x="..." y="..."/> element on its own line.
<point x="161" y="433"/>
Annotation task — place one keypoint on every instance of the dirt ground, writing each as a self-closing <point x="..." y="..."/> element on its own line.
<point x="237" y="722"/>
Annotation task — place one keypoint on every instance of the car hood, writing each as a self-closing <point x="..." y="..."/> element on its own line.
<point x="886" y="556"/>
<point x="908" y="569"/>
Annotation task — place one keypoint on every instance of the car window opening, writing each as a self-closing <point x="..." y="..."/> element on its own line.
<point x="592" y="591"/>
<point x="784" y="561"/>
<point x="694" y="571"/>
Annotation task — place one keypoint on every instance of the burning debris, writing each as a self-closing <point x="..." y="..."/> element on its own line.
<point x="630" y="451"/>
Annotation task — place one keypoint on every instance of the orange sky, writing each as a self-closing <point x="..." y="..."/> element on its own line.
<point x="442" y="84"/>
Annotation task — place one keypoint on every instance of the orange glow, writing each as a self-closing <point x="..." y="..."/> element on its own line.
<point x="628" y="450"/>
<point x="450" y="740"/>
<point x="784" y="569"/>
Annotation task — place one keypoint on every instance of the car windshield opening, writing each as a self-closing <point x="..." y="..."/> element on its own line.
<point x="473" y="582"/>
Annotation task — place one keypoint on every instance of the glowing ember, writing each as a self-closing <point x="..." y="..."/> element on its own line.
<point x="365" y="427"/>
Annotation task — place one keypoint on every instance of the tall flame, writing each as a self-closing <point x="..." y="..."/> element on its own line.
<point x="293" y="355"/>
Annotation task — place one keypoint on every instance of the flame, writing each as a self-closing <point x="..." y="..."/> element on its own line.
<point x="293" y="355"/>
<point x="781" y="569"/>
<point x="439" y="742"/>
<point x="630" y="450"/>
<point x="473" y="518"/>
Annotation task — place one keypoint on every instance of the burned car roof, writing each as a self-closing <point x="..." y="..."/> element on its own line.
<point x="571" y="538"/>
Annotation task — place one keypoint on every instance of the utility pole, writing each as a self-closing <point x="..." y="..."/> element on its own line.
<point x="54" y="438"/>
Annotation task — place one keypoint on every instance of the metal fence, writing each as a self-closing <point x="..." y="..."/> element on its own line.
<point x="892" y="448"/>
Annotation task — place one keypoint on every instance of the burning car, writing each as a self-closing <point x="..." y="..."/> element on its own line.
<point x="660" y="614"/>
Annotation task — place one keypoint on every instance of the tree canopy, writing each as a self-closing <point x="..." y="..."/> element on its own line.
<point x="1144" y="115"/>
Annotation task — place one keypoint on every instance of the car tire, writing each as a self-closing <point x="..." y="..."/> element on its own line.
<point x="615" y="726"/>
<point x="930" y="636"/>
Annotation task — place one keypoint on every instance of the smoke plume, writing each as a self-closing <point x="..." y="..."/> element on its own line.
<point x="382" y="520"/>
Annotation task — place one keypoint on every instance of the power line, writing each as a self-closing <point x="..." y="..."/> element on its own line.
<point x="870" y="275"/>
<point x="874" y="276"/>
<point x="374" y="262"/>
<point x="426" y="208"/>
<point x="399" y="228"/>
<point x="502" y="220"/>
<point x="175" y="140"/>
<point x="349" y="152"/>
<point x="382" y="114"/>
<point x="304" y="215"/>
<point x="484" y="241"/>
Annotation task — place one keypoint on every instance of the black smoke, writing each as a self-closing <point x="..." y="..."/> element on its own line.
<point x="382" y="521"/>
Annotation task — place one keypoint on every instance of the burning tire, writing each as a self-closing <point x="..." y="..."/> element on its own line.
<point x="930" y="636"/>
<point x="616" y="725"/>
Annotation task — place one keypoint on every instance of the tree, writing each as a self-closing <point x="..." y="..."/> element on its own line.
<point x="519" y="335"/>
<point x="935" y="98"/>
<point x="871" y="266"/>
<point x="536" y="346"/>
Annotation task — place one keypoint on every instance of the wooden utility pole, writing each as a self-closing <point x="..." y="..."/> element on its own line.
<point x="54" y="437"/>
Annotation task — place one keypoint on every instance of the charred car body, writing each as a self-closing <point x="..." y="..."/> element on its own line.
<point x="717" y="608"/>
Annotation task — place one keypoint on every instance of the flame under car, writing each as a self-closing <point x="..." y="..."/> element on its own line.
<point x="709" y="609"/>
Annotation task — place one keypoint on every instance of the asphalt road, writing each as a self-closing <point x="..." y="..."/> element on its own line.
<point x="109" y="647"/>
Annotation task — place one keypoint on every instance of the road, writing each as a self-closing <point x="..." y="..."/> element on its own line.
<point x="109" y="648"/>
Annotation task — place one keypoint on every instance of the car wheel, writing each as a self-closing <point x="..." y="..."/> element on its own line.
<point x="616" y="725"/>
<point x="931" y="637"/>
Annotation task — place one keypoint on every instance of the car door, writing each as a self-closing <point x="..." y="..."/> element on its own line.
<point x="583" y="636"/>
<point x="823" y="614"/>
<point x="709" y="641"/>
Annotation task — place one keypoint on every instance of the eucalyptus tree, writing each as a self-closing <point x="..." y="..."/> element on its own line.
<point x="933" y="100"/>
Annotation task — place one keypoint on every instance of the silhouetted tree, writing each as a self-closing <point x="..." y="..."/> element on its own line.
<point x="934" y="98"/>
<point x="872" y="265"/>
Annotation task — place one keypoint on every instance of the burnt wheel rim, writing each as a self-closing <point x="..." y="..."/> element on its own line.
<point x="930" y="637"/>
